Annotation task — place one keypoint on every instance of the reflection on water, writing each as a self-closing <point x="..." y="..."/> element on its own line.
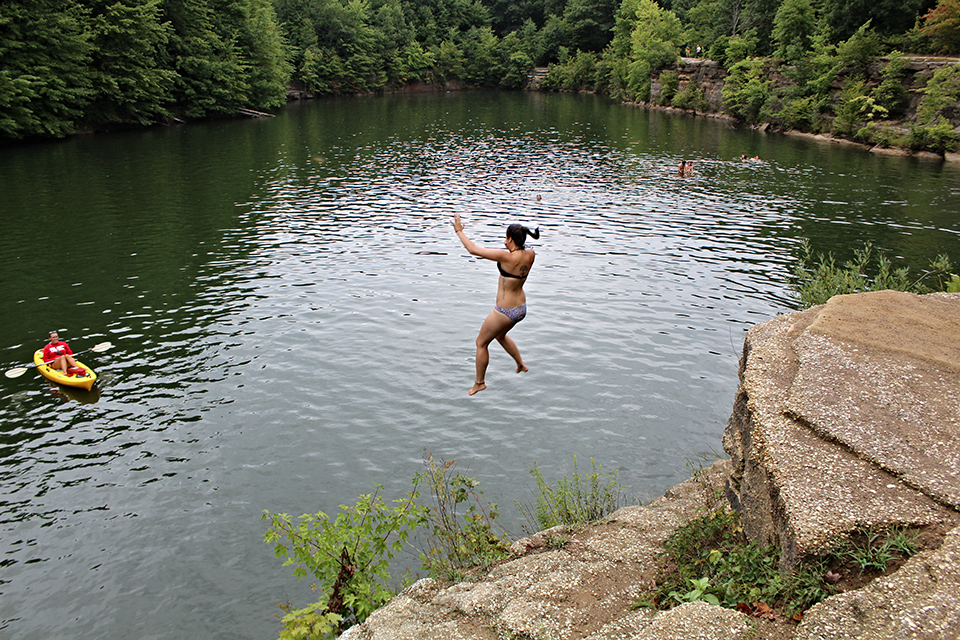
<point x="294" y="321"/>
<point x="65" y="394"/>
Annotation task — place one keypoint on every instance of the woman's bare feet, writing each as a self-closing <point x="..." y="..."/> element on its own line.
<point x="476" y="388"/>
<point x="522" y="368"/>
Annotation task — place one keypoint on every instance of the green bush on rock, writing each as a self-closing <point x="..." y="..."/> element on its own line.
<point x="348" y="555"/>
<point x="709" y="559"/>
<point x="817" y="278"/>
<point x="575" y="501"/>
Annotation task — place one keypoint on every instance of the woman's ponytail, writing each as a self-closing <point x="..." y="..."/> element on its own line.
<point x="518" y="233"/>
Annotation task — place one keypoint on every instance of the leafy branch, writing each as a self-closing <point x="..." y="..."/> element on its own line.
<point x="348" y="555"/>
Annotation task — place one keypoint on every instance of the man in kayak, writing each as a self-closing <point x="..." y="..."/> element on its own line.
<point x="58" y="355"/>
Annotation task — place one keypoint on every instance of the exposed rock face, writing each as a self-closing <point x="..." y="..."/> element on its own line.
<point x="535" y="78"/>
<point x="707" y="75"/>
<point x="847" y="416"/>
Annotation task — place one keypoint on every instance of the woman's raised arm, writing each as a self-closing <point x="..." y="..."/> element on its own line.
<point x="472" y="247"/>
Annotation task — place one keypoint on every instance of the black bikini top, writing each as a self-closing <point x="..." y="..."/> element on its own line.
<point x="508" y="275"/>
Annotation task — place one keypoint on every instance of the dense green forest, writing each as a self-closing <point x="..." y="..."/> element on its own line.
<point x="73" y="65"/>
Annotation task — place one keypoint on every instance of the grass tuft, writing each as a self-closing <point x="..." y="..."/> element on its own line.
<point x="575" y="501"/>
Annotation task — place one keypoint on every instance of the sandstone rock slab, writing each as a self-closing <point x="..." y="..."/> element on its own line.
<point x="792" y="486"/>
<point x="879" y="373"/>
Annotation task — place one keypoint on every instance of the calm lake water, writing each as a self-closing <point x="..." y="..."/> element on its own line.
<point x="293" y="321"/>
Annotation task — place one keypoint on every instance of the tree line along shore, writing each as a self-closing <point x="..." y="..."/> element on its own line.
<point x="68" y="66"/>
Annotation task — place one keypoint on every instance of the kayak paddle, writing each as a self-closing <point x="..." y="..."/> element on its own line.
<point x="19" y="371"/>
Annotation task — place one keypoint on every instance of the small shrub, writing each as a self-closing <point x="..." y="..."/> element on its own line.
<point x="583" y="71"/>
<point x="941" y="95"/>
<point x="691" y="97"/>
<point x="860" y="49"/>
<point x="518" y="67"/>
<point x="574" y="501"/>
<point x="891" y="93"/>
<point x="938" y="137"/>
<point x="822" y="67"/>
<point x="739" y="48"/>
<point x="855" y="109"/>
<point x="348" y="555"/>
<point x="556" y="541"/>
<point x="555" y="78"/>
<point x="953" y="285"/>
<point x="746" y="89"/>
<point x="718" y="50"/>
<point x="710" y="560"/>
<point x="800" y="113"/>
<point x="941" y="92"/>
<point x="819" y="278"/>
<point x="882" y="135"/>
<point x="873" y="550"/>
<point x="573" y="72"/>
<point x="668" y="82"/>
<point x="459" y="540"/>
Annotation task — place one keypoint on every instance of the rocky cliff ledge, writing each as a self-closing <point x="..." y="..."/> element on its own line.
<point x="848" y="415"/>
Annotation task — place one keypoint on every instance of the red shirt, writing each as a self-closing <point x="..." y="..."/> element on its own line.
<point x="54" y="350"/>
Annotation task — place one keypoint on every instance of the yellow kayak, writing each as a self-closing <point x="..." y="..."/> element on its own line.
<point x="82" y="381"/>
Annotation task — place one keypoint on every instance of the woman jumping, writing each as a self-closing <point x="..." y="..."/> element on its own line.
<point x="514" y="265"/>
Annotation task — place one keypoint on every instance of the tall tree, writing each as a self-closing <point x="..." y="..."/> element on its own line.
<point x="449" y="61"/>
<point x="589" y="23"/>
<point x="711" y="19"/>
<point x="758" y="18"/>
<point x="793" y="28"/>
<point x="131" y="87"/>
<point x="45" y="76"/>
<point x="887" y="17"/>
<point x="484" y="63"/>
<point x="942" y="26"/>
<point x="210" y="77"/>
<point x="645" y="37"/>
<point x="508" y="15"/>
<point x="390" y="21"/>
<point x="624" y="22"/>
<point x="262" y="52"/>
